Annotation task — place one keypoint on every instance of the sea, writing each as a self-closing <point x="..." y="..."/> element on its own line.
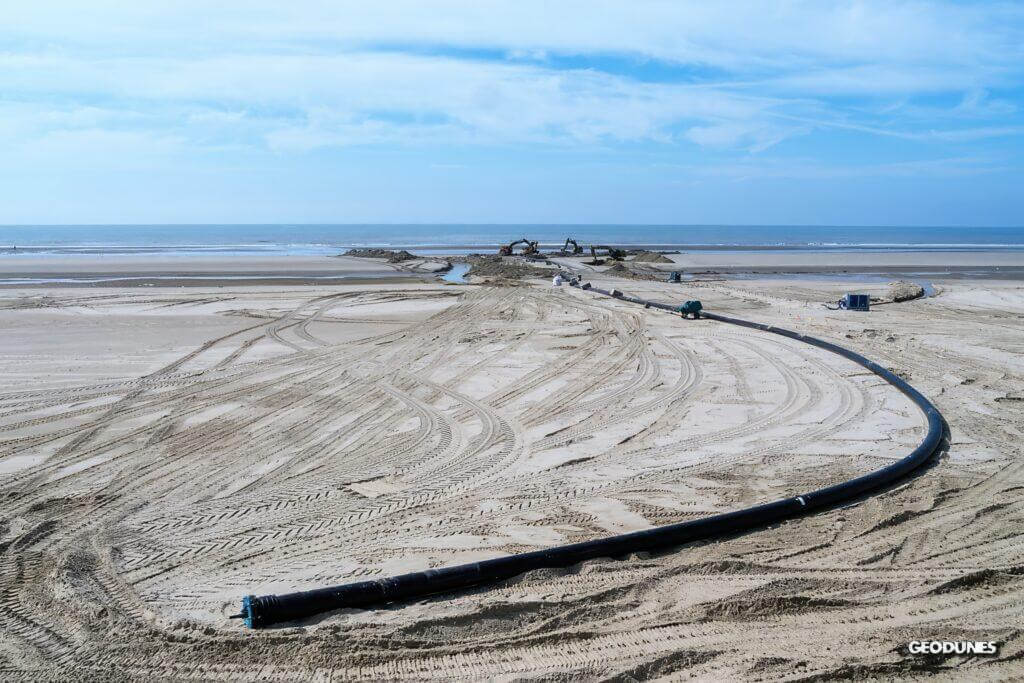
<point x="107" y="244"/>
<point x="444" y="239"/>
<point x="220" y="240"/>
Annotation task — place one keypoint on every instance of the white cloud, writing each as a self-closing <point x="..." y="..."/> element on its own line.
<point x="302" y="75"/>
<point x="755" y="137"/>
<point x="810" y="169"/>
<point x="384" y="97"/>
<point x="730" y="34"/>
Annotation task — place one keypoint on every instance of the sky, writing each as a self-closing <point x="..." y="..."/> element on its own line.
<point x="879" y="112"/>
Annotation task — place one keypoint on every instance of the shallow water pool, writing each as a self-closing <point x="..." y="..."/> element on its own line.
<point x="457" y="273"/>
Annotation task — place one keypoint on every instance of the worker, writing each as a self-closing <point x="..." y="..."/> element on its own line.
<point x="556" y="281"/>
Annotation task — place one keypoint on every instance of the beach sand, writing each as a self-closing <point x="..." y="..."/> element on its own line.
<point x="166" y="450"/>
<point x="204" y="271"/>
<point x="909" y="263"/>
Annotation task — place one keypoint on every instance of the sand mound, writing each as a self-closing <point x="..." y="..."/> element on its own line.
<point x="390" y="255"/>
<point x="905" y="291"/>
<point x="651" y="257"/>
<point x="622" y="270"/>
<point x="495" y="266"/>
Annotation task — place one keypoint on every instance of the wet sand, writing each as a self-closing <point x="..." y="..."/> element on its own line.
<point x="165" y="451"/>
<point x="201" y="271"/>
<point x="971" y="265"/>
<point x="780" y="260"/>
<point x="206" y="270"/>
<point x="115" y="264"/>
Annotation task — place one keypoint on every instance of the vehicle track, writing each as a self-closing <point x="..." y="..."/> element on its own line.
<point x="476" y="431"/>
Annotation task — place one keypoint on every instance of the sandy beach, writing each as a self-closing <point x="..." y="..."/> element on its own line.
<point x="168" y="270"/>
<point x="851" y="260"/>
<point x="958" y="264"/>
<point x="166" y="450"/>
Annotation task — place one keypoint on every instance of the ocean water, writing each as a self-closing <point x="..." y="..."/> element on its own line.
<point x="220" y="240"/>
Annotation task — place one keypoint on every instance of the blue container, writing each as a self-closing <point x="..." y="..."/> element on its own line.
<point x="857" y="302"/>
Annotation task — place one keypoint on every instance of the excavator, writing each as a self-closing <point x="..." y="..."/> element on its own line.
<point x="509" y="249"/>
<point x="576" y="248"/>
<point x="613" y="253"/>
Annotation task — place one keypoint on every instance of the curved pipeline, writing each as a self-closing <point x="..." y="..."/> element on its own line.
<point x="271" y="609"/>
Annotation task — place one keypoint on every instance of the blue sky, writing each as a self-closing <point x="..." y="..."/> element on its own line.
<point x="865" y="113"/>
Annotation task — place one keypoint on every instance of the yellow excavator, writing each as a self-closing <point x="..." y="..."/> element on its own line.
<point x="529" y="249"/>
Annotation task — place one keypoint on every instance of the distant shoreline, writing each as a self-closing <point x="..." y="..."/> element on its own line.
<point x="223" y="270"/>
<point x="222" y="250"/>
<point x="59" y="280"/>
<point x="324" y="240"/>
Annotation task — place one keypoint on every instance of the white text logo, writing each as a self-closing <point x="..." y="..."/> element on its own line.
<point x="950" y="647"/>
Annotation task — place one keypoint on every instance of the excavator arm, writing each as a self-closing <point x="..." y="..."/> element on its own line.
<point x="613" y="253"/>
<point x="509" y="249"/>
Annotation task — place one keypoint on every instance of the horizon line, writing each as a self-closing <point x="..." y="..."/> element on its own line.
<point x="567" y="225"/>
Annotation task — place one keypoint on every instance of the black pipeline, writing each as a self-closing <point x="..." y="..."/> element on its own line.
<point x="270" y="609"/>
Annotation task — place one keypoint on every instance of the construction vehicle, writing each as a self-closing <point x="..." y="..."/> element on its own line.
<point x="852" y="302"/>
<point x="576" y="248"/>
<point x="855" y="302"/>
<point x="613" y="254"/>
<point x="690" y="308"/>
<point x="529" y="249"/>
